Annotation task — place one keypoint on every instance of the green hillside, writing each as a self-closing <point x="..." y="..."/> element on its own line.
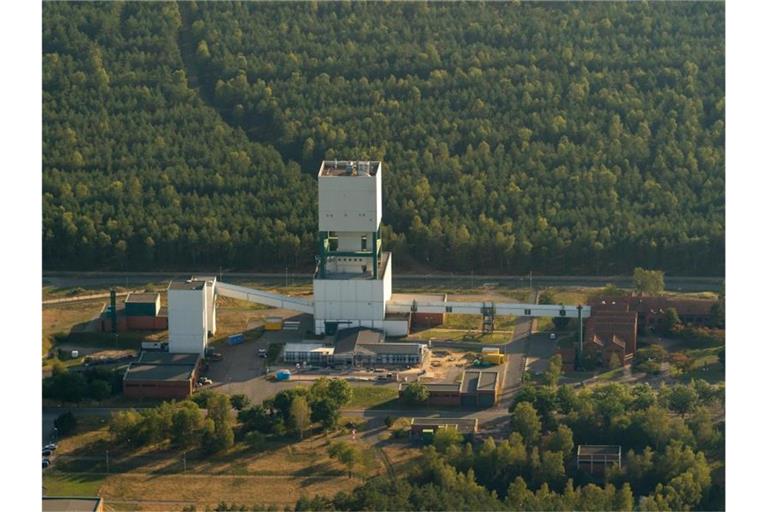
<point x="563" y="138"/>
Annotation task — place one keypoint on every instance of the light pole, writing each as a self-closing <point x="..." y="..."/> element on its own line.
<point x="107" y="459"/>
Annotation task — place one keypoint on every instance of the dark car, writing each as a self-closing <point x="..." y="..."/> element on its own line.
<point x="46" y="463"/>
<point x="47" y="453"/>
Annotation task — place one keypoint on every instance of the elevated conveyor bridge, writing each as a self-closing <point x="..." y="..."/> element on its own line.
<point x="265" y="298"/>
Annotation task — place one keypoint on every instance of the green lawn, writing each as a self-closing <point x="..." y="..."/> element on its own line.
<point x="71" y="484"/>
<point x="371" y="396"/>
<point x="462" y="335"/>
<point x="705" y="358"/>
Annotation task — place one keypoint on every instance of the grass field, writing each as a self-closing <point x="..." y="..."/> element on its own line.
<point x="56" y="483"/>
<point x="157" y="476"/>
<point x="59" y="319"/>
<point x="462" y="335"/>
<point x="371" y="396"/>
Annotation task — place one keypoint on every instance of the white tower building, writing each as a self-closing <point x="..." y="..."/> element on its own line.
<point x="191" y="314"/>
<point x="353" y="281"/>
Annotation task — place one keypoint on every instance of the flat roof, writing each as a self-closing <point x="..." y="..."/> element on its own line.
<point x="165" y="372"/>
<point x="186" y="285"/>
<point x="349" y="167"/>
<point x="167" y="358"/>
<point x="443" y="386"/>
<point x="142" y="298"/>
<point x="465" y="425"/>
<point x="308" y="347"/>
<point x="479" y="380"/>
<point x="70" y="503"/>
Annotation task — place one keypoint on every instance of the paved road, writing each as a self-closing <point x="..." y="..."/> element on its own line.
<point x="100" y="279"/>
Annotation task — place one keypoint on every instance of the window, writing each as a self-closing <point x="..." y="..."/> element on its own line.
<point x="527" y="312"/>
<point x="364" y="243"/>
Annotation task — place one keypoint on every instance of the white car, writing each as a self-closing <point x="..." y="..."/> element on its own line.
<point x="552" y="336"/>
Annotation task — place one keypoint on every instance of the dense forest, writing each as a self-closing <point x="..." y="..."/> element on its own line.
<point x="672" y="457"/>
<point x="556" y="137"/>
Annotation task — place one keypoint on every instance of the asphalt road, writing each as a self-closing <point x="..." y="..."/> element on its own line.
<point x="101" y="279"/>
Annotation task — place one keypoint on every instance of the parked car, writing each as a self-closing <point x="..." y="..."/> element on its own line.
<point x="262" y="351"/>
<point x="552" y="336"/>
<point x="204" y="381"/>
<point x="214" y="356"/>
<point x="50" y="446"/>
<point x="47" y="453"/>
<point x="46" y="463"/>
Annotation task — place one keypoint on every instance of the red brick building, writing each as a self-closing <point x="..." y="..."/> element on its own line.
<point x="611" y="329"/>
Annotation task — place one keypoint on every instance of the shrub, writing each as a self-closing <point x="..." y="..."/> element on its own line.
<point x="65" y="423"/>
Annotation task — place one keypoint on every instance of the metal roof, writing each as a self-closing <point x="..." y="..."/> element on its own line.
<point x="166" y="372"/>
<point x="167" y="358"/>
<point x="186" y="285"/>
<point x="142" y="298"/>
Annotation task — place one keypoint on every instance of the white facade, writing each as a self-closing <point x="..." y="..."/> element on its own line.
<point x="348" y="290"/>
<point x="210" y="301"/>
<point x="187" y="317"/>
<point x="349" y="199"/>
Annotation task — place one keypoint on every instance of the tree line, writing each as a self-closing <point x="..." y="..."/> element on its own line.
<point x="555" y="137"/>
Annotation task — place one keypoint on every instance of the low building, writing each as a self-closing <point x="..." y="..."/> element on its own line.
<point x="161" y="375"/>
<point x="73" y="504"/>
<point x="357" y="346"/>
<point x="596" y="458"/>
<point x="475" y="388"/>
<point x="139" y="312"/>
<point x="651" y="310"/>
<point x="421" y="426"/>
<point x="366" y="347"/>
<point x="420" y="319"/>
<point x="308" y="352"/>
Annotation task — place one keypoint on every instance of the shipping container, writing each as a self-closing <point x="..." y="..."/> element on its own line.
<point x="283" y="375"/>
<point x="235" y="339"/>
<point x="273" y="323"/>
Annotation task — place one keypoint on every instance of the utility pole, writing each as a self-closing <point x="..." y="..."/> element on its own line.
<point x="530" y="279"/>
<point x="581" y="336"/>
<point x="107" y="458"/>
<point x="286" y="276"/>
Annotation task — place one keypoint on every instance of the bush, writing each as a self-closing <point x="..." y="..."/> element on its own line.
<point x="256" y="440"/>
<point x="99" y="390"/>
<point x="65" y="423"/>
<point x="240" y="401"/>
<point x="415" y="393"/>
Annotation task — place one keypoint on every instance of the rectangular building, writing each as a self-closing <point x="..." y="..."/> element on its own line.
<point x="161" y="375"/>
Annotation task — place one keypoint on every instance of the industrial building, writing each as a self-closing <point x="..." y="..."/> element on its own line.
<point x="475" y="388"/>
<point x="352" y="283"/>
<point x="161" y="375"/>
<point x="358" y="347"/>
<point x="139" y="312"/>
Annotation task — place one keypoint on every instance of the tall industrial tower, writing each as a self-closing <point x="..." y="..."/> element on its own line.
<point x="353" y="280"/>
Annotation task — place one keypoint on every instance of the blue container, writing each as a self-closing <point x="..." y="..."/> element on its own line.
<point x="235" y="339"/>
<point x="282" y="375"/>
